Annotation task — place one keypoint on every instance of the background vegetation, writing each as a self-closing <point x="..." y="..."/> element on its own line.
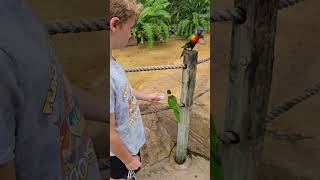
<point x="160" y="18"/>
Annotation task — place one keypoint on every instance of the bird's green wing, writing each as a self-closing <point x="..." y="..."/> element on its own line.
<point x="176" y="109"/>
<point x="173" y="104"/>
<point x="177" y="114"/>
<point x="187" y="41"/>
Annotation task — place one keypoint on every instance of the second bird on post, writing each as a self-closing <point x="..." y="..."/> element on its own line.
<point x="173" y="104"/>
<point x="192" y="40"/>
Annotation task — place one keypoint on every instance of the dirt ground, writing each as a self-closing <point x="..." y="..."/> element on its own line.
<point x="195" y="168"/>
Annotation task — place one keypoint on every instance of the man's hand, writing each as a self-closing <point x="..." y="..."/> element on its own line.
<point x="134" y="164"/>
<point x="154" y="97"/>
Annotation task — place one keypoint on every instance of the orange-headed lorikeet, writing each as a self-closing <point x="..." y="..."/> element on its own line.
<point x="192" y="40"/>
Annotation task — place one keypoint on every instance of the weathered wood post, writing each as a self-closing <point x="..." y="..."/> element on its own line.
<point x="186" y="100"/>
<point x="249" y="86"/>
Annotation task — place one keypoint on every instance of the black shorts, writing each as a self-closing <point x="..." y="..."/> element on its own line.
<point x="117" y="168"/>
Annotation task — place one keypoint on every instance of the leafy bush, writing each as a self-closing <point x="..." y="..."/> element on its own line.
<point x="152" y="23"/>
<point x="155" y="23"/>
<point x="188" y="15"/>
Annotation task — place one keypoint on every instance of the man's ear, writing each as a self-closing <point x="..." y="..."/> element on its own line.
<point x="114" y="23"/>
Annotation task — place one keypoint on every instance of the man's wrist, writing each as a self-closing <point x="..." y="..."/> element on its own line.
<point x="128" y="160"/>
<point x="145" y="98"/>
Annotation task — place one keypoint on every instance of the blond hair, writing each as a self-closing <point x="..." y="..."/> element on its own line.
<point x="124" y="9"/>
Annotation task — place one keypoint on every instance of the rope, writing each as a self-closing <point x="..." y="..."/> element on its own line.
<point x="82" y="25"/>
<point x="100" y="24"/>
<point x="163" y="67"/>
<point x="286" y="3"/>
<point x="155" y="109"/>
<point x="151" y="68"/>
<point x="203" y="60"/>
<point x="201" y="94"/>
<point x="238" y="15"/>
<point x="156" y="68"/>
<point x="291" y="137"/>
<point x="290" y="103"/>
<point x="234" y="14"/>
<point x="276" y="112"/>
<point x="229" y="137"/>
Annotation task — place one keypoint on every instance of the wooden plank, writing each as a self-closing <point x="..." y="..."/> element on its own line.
<point x="186" y="98"/>
<point x="249" y="87"/>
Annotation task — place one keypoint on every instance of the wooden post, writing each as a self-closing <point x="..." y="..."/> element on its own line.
<point x="186" y="99"/>
<point x="249" y="86"/>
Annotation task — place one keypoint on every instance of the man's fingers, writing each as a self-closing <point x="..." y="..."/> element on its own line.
<point x="137" y="157"/>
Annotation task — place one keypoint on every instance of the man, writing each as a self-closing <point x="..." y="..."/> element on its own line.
<point x="43" y="135"/>
<point x="126" y="127"/>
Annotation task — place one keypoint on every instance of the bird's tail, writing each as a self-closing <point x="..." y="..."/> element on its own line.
<point x="182" y="53"/>
<point x="177" y="114"/>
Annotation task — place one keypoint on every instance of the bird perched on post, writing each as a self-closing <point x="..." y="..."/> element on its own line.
<point x="192" y="40"/>
<point x="173" y="104"/>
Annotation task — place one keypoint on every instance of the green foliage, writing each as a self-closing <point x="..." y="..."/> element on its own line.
<point x="152" y="23"/>
<point x="160" y="17"/>
<point x="188" y="15"/>
<point x="142" y="1"/>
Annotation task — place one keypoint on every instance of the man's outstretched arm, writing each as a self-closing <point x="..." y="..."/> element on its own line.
<point x="153" y="97"/>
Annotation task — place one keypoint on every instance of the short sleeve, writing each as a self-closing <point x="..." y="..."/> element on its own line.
<point x="8" y="101"/>
<point x="112" y="97"/>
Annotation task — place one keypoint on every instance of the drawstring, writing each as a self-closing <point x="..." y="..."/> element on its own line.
<point x="132" y="175"/>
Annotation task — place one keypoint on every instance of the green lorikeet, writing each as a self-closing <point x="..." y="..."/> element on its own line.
<point x="173" y="104"/>
<point x="216" y="165"/>
<point x="193" y="40"/>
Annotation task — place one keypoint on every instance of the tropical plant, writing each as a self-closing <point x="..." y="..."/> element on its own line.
<point x="152" y="23"/>
<point x="188" y="15"/>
